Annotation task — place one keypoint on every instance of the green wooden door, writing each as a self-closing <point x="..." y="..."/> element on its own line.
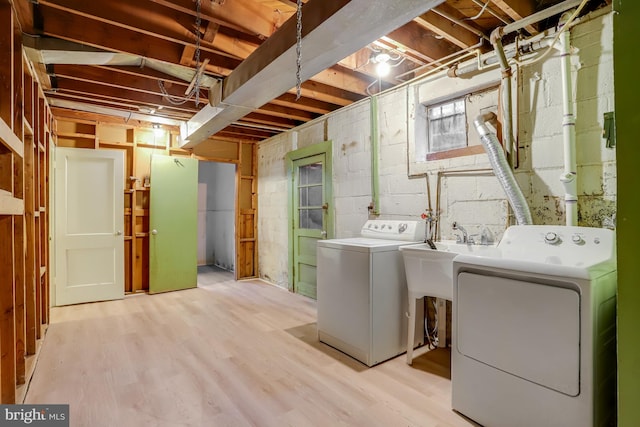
<point x="310" y="215"/>
<point x="173" y="244"/>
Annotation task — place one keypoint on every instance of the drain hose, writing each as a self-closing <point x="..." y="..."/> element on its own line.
<point x="502" y="170"/>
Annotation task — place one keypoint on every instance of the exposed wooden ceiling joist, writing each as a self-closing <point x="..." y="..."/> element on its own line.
<point x="110" y="54"/>
<point x="261" y="77"/>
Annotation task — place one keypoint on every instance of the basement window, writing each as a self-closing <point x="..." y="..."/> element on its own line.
<point x="442" y="128"/>
<point x="446" y="126"/>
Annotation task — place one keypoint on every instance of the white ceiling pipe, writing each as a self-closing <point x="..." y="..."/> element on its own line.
<point x="539" y="16"/>
<point x="569" y="176"/>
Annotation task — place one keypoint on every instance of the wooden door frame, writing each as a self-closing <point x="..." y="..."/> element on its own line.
<point x="325" y="148"/>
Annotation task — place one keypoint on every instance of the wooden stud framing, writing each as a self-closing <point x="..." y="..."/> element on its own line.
<point x="24" y="282"/>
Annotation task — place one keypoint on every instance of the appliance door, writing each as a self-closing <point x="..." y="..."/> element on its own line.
<point x="344" y="300"/>
<point x="525" y="329"/>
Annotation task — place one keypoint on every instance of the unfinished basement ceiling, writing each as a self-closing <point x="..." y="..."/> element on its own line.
<point x="137" y="58"/>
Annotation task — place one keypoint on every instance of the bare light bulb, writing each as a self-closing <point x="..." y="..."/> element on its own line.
<point x="383" y="69"/>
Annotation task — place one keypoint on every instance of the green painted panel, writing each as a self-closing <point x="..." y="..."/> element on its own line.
<point x="310" y="205"/>
<point x="306" y="282"/>
<point x="307" y="246"/>
<point x="627" y="116"/>
<point x="173" y="257"/>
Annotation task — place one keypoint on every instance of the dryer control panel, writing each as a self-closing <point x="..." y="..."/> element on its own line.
<point x="556" y="244"/>
<point x="410" y="231"/>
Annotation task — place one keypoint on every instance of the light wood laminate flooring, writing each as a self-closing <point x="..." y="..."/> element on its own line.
<point x="226" y="354"/>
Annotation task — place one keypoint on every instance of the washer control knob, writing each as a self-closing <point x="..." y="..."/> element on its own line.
<point x="551" y="238"/>
<point x="402" y="227"/>
<point x="577" y="239"/>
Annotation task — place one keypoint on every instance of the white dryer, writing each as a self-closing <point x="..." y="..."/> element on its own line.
<point x="362" y="291"/>
<point x="534" y="330"/>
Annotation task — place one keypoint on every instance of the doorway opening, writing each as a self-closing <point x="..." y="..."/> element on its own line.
<point x="216" y="215"/>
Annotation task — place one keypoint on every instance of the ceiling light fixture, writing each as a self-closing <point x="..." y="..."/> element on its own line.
<point x="383" y="64"/>
<point x="157" y="129"/>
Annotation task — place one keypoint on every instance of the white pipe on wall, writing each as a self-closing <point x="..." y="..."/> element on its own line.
<point x="569" y="176"/>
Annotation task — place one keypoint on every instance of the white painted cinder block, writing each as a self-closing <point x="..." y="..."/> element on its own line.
<point x="474" y="201"/>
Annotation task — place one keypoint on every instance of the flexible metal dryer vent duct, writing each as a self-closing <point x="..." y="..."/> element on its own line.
<point x="502" y="170"/>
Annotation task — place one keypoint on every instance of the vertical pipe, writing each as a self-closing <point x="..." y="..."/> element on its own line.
<point x="507" y="101"/>
<point x="569" y="176"/>
<point x="375" y="166"/>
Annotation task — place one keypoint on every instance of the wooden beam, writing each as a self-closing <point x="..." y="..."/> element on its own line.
<point x="81" y="102"/>
<point x="413" y="38"/>
<point x="518" y="9"/>
<point x="7" y="320"/>
<point x="326" y="93"/>
<point x="447" y="29"/>
<point x="112" y="78"/>
<point x="263" y="76"/>
<point x="96" y="117"/>
<point x="6" y="63"/>
<point x="31" y="272"/>
<point x="61" y="24"/>
<point x="187" y="55"/>
<point x="9" y="139"/>
<point x="20" y="294"/>
<point x="145" y="18"/>
<point x="145" y="72"/>
<point x="279" y="111"/>
<point x="248" y="16"/>
<point x="24" y="12"/>
<point x="263" y="119"/>
<point x="336" y="76"/>
<point x="210" y="32"/>
<point x="304" y="103"/>
<point x="126" y="96"/>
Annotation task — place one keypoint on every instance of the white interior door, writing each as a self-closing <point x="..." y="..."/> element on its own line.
<point x="89" y="225"/>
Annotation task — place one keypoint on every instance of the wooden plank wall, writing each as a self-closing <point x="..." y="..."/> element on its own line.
<point x="140" y="141"/>
<point x="24" y="275"/>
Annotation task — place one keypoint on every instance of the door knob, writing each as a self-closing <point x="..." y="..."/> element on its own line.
<point x="154" y="231"/>
<point x="118" y="233"/>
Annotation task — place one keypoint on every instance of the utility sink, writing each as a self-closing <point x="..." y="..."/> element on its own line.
<point x="429" y="271"/>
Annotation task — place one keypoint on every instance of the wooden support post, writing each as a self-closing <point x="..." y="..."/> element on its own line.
<point x="19" y="273"/>
<point x="18" y="81"/>
<point x="7" y="320"/>
<point x="30" y="264"/>
<point x="6" y="63"/>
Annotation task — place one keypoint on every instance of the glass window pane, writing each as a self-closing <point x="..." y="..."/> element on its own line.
<point x="447" y="109"/>
<point x="315" y="196"/>
<point x="303" y="218"/>
<point x="448" y="130"/>
<point x="304" y="197"/>
<point x="315" y="219"/>
<point x="311" y="219"/>
<point x="311" y="174"/>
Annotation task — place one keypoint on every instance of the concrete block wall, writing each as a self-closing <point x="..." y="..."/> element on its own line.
<point x="462" y="189"/>
<point x="273" y="239"/>
<point x="540" y="136"/>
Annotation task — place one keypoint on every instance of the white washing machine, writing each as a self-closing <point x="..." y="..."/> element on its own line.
<point x="534" y="330"/>
<point x="362" y="291"/>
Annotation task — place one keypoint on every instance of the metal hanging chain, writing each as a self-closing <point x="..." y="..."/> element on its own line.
<point x="298" y="49"/>
<point x="198" y="23"/>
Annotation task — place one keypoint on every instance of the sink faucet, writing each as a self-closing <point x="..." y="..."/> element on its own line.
<point x="486" y="238"/>
<point x="463" y="238"/>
